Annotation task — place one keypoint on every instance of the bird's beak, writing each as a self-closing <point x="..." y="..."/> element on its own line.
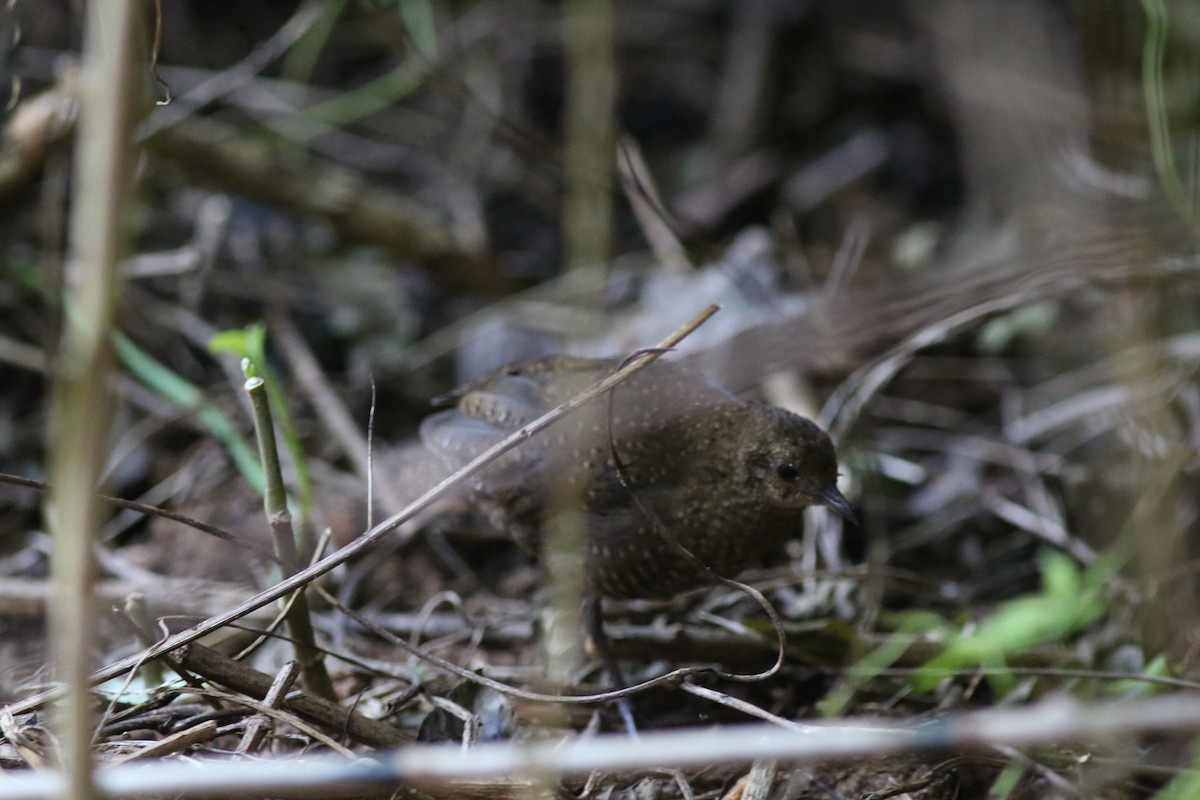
<point x="837" y="503"/>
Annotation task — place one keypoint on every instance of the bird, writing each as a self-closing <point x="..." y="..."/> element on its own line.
<point x="677" y="481"/>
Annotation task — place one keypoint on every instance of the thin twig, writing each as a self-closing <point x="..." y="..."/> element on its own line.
<point x="175" y="743"/>
<point x="248" y="682"/>
<point x="259" y="726"/>
<point x="153" y="511"/>
<point x="227" y="80"/>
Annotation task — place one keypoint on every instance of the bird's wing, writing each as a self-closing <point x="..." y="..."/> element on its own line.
<point x="621" y="514"/>
<point x="457" y="438"/>
<point x="485" y="413"/>
<point x="543" y="383"/>
<point x="641" y="410"/>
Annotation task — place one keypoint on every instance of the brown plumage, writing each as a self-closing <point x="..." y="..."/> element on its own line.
<point x="726" y="479"/>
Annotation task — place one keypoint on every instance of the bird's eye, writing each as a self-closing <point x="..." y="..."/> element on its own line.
<point x="787" y="471"/>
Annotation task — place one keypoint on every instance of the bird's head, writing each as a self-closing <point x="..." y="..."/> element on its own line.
<point x="789" y="462"/>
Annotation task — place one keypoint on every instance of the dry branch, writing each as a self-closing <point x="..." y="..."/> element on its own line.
<point x="235" y="675"/>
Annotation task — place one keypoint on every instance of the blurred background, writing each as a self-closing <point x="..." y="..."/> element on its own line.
<point x="961" y="235"/>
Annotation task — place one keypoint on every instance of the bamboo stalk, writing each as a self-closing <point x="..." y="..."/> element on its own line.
<point x="79" y="417"/>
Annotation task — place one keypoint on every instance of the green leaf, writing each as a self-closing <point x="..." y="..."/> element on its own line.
<point x="187" y="396"/>
<point x="1185" y="785"/>
<point x="1133" y="687"/>
<point x="418" y="19"/>
<point x="250" y="343"/>
<point x="1069" y="601"/>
